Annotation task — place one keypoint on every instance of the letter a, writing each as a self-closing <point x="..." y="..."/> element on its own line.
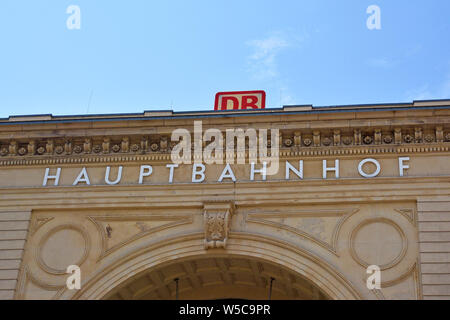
<point x="74" y="20"/>
<point x="82" y="177"/>
<point x="73" y="281"/>
<point x="374" y="21"/>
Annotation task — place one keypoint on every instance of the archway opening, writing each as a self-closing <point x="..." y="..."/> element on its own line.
<point x="218" y="277"/>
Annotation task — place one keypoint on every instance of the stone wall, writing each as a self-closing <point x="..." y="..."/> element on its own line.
<point x="13" y="234"/>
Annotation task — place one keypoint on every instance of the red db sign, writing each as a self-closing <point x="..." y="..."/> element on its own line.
<point x="240" y="100"/>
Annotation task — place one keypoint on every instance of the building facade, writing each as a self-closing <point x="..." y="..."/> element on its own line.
<point x="356" y="187"/>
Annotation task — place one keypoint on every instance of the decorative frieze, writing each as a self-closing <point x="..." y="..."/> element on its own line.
<point x="292" y="143"/>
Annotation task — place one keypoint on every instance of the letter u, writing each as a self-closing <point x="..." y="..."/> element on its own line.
<point x="119" y="176"/>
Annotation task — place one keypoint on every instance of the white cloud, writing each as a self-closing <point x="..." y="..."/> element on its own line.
<point x="263" y="60"/>
<point x="425" y="93"/>
<point x="446" y="88"/>
<point x="421" y="93"/>
<point x="384" y="62"/>
<point x="285" y="97"/>
<point x="381" y="63"/>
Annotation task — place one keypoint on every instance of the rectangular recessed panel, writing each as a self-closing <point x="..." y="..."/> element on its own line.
<point x="434" y="238"/>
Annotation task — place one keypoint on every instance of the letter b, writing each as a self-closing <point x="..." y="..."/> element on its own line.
<point x="249" y="104"/>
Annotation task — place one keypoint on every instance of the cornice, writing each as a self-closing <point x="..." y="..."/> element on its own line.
<point x="428" y="105"/>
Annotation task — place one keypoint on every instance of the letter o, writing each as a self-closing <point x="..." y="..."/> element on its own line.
<point x="374" y="174"/>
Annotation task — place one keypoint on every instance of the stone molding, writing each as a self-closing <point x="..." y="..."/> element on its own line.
<point x="284" y="153"/>
<point x="55" y="150"/>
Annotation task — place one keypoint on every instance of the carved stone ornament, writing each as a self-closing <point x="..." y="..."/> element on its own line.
<point x="316" y="138"/>
<point x="326" y="141"/>
<point x="439" y="134"/>
<point x="49" y="146"/>
<point x="337" y="137"/>
<point x="307" y="142"/>
<point x="156" y="147"/>
<point x="87" y="145"/>
<point x="164" y="144"/>
<point x="217" y="218"/>
<point x="288" y="142"/>
<point x="40" y="150"/>
<point x="298" y="138"/>
<point x="357" y="137"/>
<point x="377" y="136"/>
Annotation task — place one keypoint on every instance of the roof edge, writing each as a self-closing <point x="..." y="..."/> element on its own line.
<point x="286" y="109"/>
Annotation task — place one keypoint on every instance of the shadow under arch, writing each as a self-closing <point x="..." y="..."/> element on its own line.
<point x="261" y="247"/>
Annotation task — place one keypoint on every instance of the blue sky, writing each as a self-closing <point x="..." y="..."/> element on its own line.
<point x="131" y="56"/>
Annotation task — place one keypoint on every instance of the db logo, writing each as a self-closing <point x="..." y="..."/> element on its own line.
<point x="240" y="100"/>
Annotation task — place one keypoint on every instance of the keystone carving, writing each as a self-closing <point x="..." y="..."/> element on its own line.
<point x="217" y="218"/>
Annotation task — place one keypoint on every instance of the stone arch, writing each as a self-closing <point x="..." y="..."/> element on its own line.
<point x="297" y="260"/>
